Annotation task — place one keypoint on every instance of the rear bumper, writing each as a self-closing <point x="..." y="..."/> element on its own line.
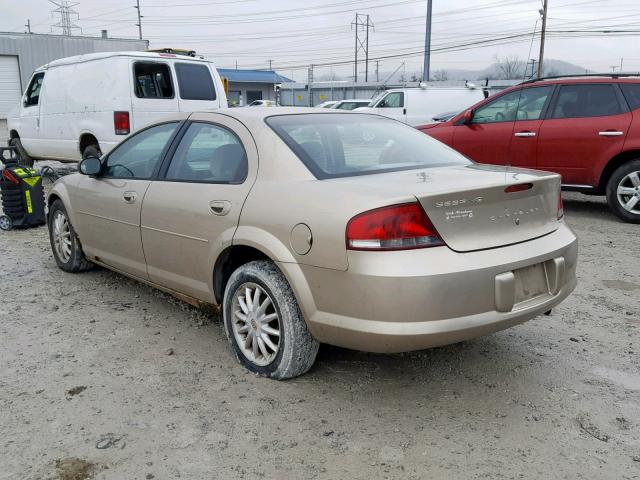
<point x="409" y="300"/>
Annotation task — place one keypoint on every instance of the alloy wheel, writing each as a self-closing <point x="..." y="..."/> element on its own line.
<point x="61" y="236"/>
<point x="255" y="324"/>
<point x="629" y="192"/>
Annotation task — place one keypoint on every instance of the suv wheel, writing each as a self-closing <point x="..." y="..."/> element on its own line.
<point x="264" y="324"/>
<point x="25" y="159"/>
<point x="64" y="241"/>
<point x="623" y="192"/>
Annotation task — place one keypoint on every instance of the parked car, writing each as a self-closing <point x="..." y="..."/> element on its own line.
<point x="417" y="106"/>
<point x="303" y="234"/>
<point x="585" y="128"/>
<point x="350" y="104"/>
<point x="84" y="105"/>
<point x="262" y="103"/>
<point x="327" y="104"/>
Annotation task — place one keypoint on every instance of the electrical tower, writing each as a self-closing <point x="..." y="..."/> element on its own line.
<point x="361" y="25"/>
<point x="66" y="11"/>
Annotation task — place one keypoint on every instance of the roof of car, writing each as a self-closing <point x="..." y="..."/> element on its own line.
<point x="259" y="113"/>
<point x="100" y="55"/>
<point x="586" y="78"/>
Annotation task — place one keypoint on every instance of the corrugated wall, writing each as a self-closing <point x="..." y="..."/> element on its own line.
<point x="34" y="50"/>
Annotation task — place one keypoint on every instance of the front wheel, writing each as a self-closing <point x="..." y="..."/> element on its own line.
<point x="264" y="324"/>
<point x="623" y="192"/>
<point x="65" y="244"/>
<point x="25" y="158"/>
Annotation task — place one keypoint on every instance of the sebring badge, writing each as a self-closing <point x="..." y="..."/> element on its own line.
<point x="458" y="202"/>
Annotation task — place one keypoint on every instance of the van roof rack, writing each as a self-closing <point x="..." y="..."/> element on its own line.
<point x="583" y="75"/>
<point x="174" y="51"/>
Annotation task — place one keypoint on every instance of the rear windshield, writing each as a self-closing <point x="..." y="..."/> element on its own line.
<point x="344" y="145"/>
<point x="194" y="81"/>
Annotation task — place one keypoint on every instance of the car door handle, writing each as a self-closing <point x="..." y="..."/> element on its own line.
<point x="610" y="133"/>
<point x="524" y="134"/>
<point x="219" y="207"/>
<point x="129" y="197"/>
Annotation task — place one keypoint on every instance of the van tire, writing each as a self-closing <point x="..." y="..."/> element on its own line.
<point x="25" y="159"/>
<point x="91" y="151"/>
<point x="621" y="177"/>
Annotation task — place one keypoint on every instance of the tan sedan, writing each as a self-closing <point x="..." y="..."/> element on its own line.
<point x="311" y="226"/>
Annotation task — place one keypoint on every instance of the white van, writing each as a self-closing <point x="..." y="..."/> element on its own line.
<point x="417" y="106"/>
<point x="85" y="105"/>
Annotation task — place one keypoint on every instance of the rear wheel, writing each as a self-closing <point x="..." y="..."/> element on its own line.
<point x="65" y="245"/>
<point x="91" y="151"/>
<point x="264" y="324"/>
<point x="25" y="159"/>
<point x="623" y="192"/>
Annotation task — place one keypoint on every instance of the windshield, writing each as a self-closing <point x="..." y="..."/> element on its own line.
<point x="344" y="145"/>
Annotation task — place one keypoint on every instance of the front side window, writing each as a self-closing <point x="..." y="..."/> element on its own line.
<point x="152" y="80"/>
<point x="576" y="101"/>
<point x="525" y="104"/>
<point x="138" y="156"/>
<point x="194" y="81"/>
<point x="392" y="100"/>
<point x="209" y="153"/>
<point x="337" y="145"/>
<point x="32" y="96"/>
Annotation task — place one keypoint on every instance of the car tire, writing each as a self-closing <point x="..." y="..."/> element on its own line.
<point x="625" y="179"/>
<point x="25" y="158"/>
<point x="91" y="151"/>
<point x="295" y="349"/>
<point x="6" y="223"/>
<point x="66" y="249"/>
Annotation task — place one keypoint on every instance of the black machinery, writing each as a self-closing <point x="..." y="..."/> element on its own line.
<point x="22" y="193"/>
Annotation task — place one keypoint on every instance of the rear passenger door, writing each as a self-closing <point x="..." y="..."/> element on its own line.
<point x="585" y="128"/>
<point x="191" y="212"/>
<point x="154" y="94"/>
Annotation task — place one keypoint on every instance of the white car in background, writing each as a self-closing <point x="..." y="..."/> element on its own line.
<point x="417" y="106"/>
<point x="83" y="106"/>
<point x="327" y="104"/>
<point x="350" y="104"/>
<point x="262" y="103"/>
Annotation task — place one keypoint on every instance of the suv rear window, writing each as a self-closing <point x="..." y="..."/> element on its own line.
<point x="152" y="80"/>
<point x="344" y="145"/>
<point x="632" y="94"/>
<point x="195" y="82"/>
<point x="576" y="101"/>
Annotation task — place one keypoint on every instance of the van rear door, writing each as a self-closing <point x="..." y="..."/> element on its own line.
<point x="197" y="86"/>
<point x="155" y="94"/>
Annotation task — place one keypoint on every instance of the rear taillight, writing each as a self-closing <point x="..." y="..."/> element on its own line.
<point x="398" y="227"/>
<point x="9" y="176"/>
<point x="560" y="206"/>
<point x="121" y="123"/>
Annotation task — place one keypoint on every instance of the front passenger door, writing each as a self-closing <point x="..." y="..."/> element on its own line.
<point x="190" y="214"/>
<point x="108" y="212"/>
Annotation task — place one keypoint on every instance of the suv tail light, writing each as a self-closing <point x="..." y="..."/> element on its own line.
<point x="121" y="123"/>
<point x="397" y="227"/>
<point x="560" y="205"/>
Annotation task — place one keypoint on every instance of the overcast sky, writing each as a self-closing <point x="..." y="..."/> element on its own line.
<point x="467" y="34"/>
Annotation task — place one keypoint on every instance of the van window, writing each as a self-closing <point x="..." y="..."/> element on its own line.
<point x="152" y="80"/>
<point x="33" y="92"/>
<point x="392" y="100"/>
<point x="195" y="82"/>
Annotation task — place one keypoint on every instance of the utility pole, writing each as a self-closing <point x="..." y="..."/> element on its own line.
<point x="427" y="44"/>
<point x="270" y="64"/>
<point x="361" y="24"/>
<point x="377" y="70"/>
<point x="66" y="11"/>
<point x="139" y="24"/>
<point x="28" y="25"/>
<point x="542" y="37"/>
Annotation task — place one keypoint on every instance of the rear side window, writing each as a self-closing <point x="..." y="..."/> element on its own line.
<point x="631" y="92"/>
<point x="578" y="101"/>
<point x="195" y="82"/>
<point x="33" y="92"/>
<point x="152" y="80"/>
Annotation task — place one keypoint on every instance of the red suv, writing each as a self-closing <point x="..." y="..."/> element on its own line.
<point x="585" y="128"/>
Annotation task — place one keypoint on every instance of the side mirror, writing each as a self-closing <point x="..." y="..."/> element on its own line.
<point x="90" y="166"/>
<point x="467" y="118"/>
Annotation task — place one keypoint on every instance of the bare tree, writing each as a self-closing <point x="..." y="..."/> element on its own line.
<point x="510" y="66"/>
<point x="440" y="75"/>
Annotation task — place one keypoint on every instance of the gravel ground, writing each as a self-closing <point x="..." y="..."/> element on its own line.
<point x="102" y="377"/>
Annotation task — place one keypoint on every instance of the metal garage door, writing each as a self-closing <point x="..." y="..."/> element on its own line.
<point x="10" y="91"/>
